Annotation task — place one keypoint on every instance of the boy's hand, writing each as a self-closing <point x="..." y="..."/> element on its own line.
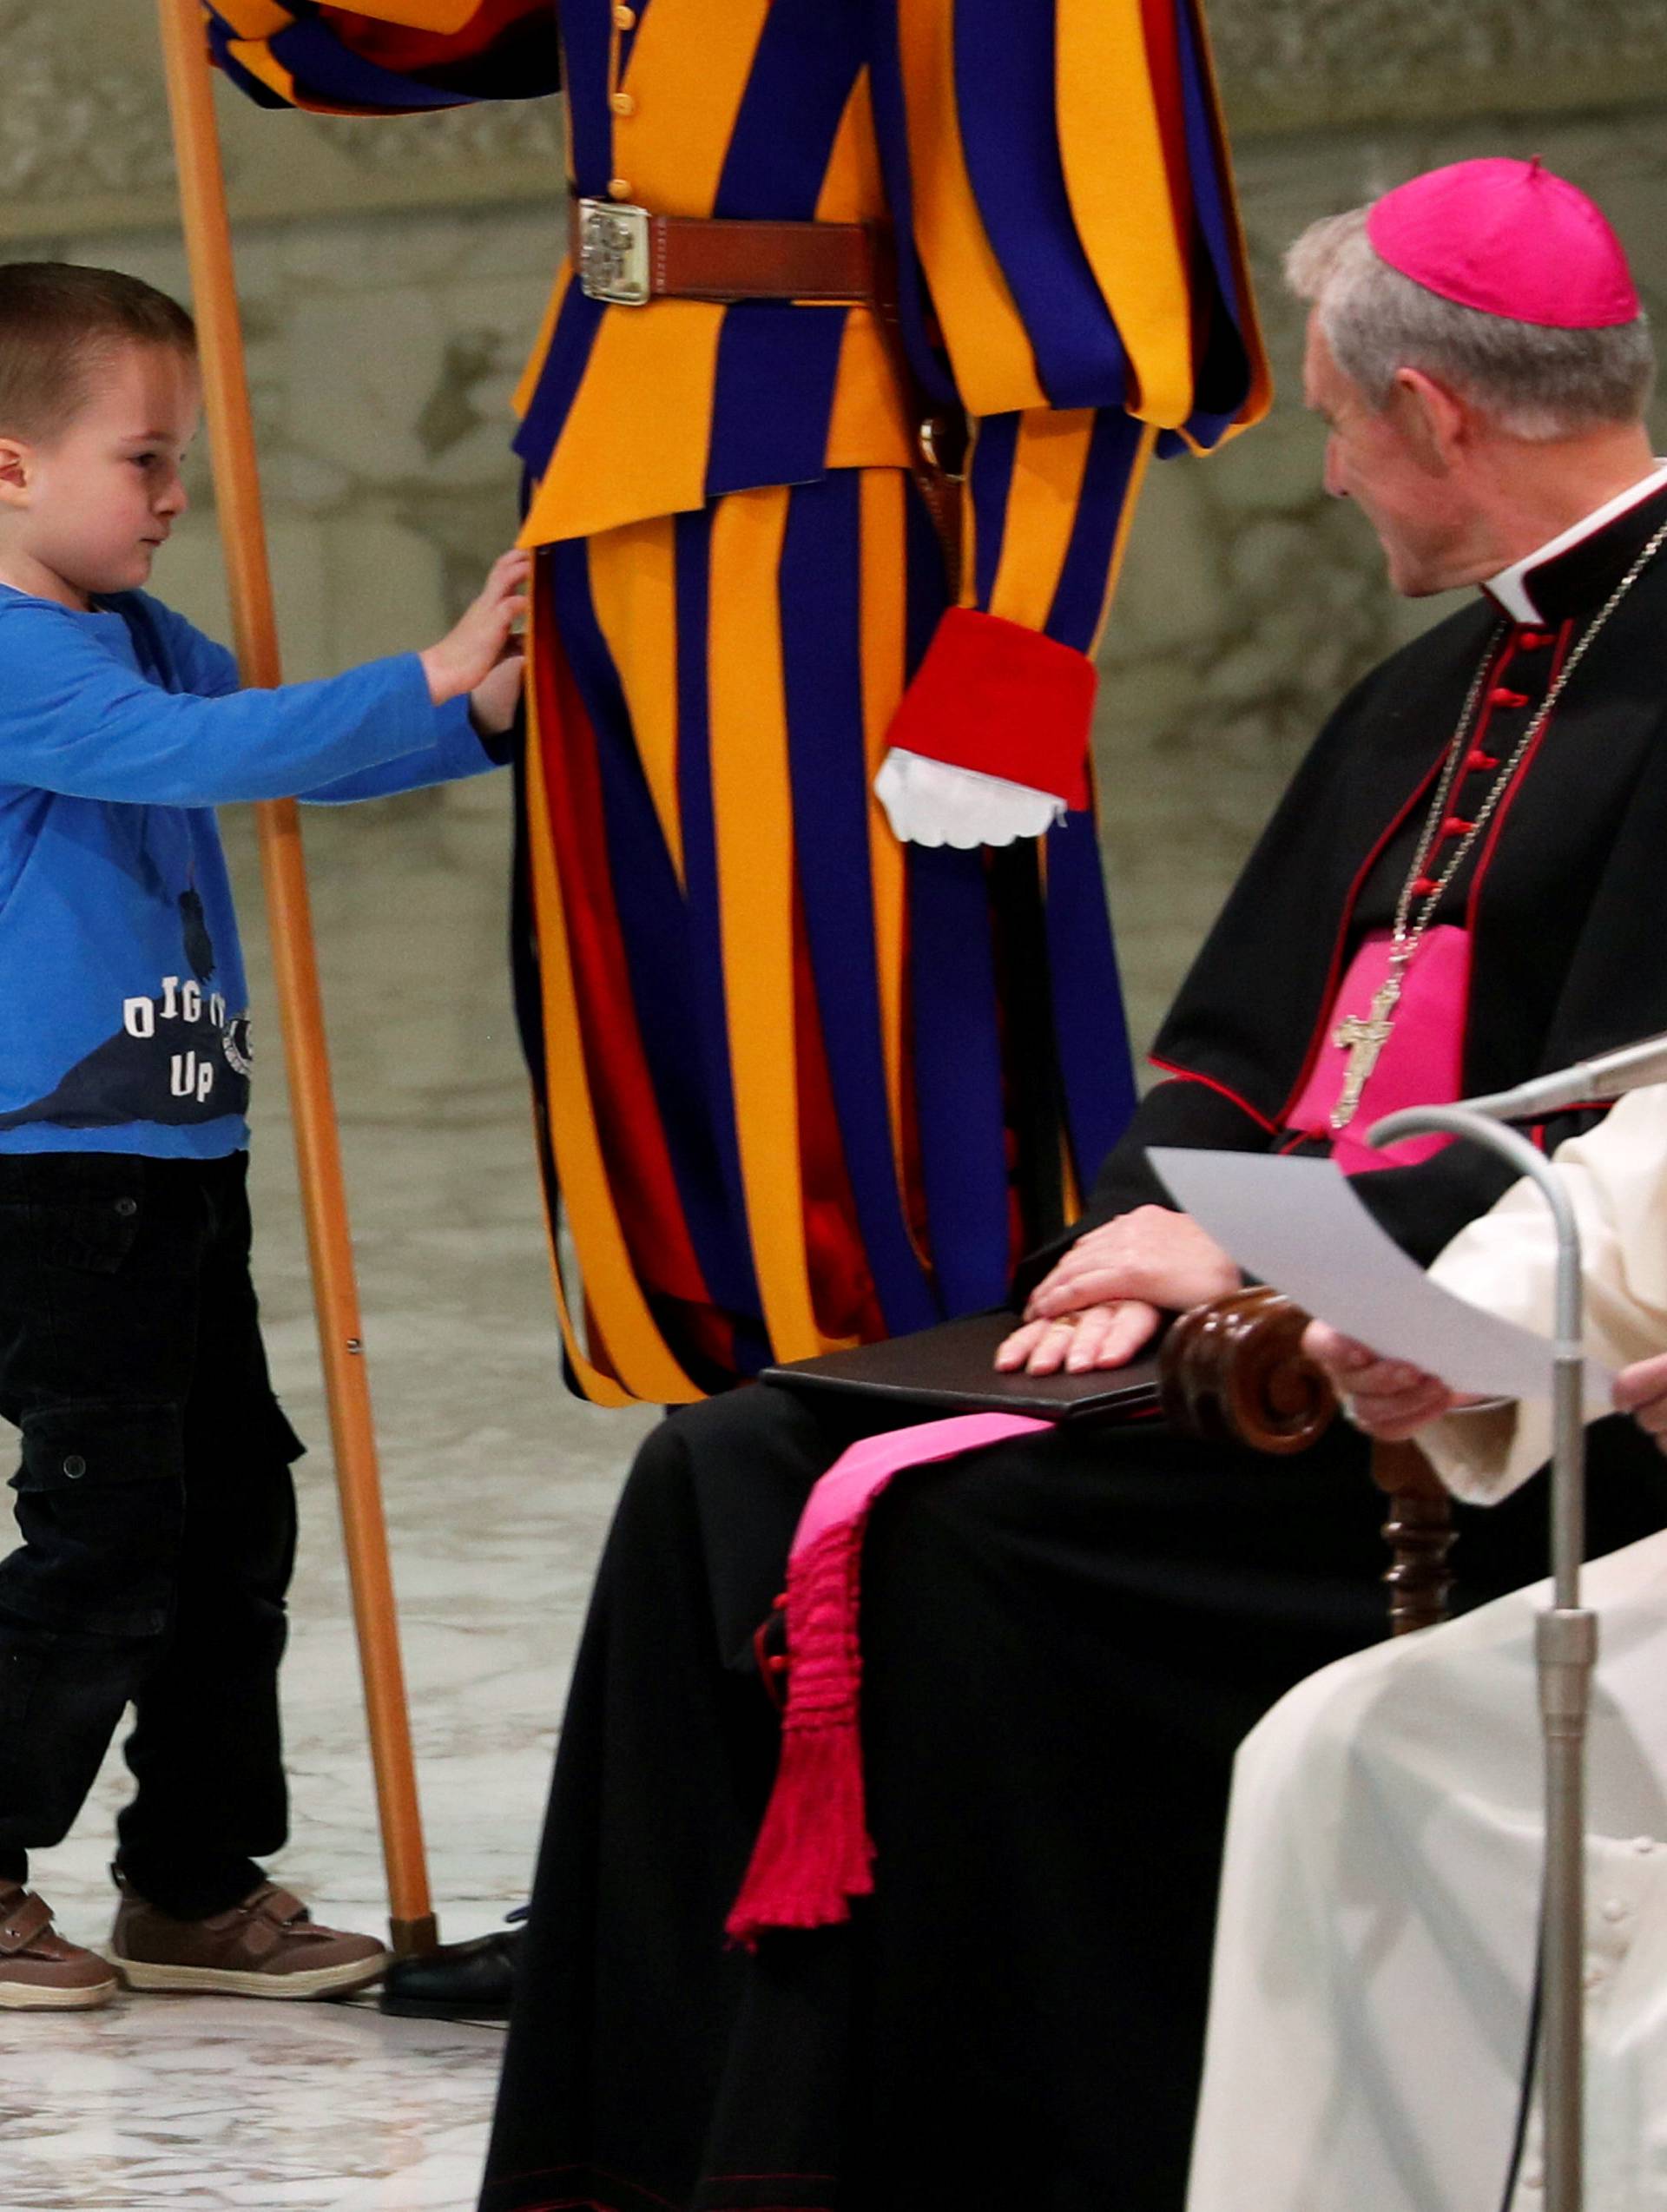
<point x="467" y="655"/>
<point x="492" y="704"/>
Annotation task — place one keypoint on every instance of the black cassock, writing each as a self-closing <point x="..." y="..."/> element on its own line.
<point x="1065" y="1637"/>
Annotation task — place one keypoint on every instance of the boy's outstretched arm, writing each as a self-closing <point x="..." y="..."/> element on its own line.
<point x="74" y="720"/>
<point x="464" y="744"/>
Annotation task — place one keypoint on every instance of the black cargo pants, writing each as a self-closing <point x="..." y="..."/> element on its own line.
<point x="157" y="1517"/>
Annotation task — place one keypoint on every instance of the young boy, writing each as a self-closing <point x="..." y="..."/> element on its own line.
<point x="154" y="1500"/>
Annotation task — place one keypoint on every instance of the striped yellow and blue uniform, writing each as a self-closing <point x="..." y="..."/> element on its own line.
<point x="799" y="1084"/>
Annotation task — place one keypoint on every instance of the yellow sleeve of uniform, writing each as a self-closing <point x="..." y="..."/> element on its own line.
<point x="1070" y="221"/>
<point x="388" y="57"/>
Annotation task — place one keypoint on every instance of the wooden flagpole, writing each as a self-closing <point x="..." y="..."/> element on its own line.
<point x="237" y="487"/>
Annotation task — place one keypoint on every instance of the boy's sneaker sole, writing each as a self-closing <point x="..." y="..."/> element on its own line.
<point x="227" y="1981"/>
<point x="43" y="1997"/>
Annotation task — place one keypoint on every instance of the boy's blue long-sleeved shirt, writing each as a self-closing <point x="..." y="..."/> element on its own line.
<point x="123" y="1006"/>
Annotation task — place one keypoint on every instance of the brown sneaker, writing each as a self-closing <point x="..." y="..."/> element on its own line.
<point x="39" y="1970"/>
<point x="267" y="1946"/>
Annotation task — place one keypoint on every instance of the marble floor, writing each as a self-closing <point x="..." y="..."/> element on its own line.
<point x="498" y="1489"/>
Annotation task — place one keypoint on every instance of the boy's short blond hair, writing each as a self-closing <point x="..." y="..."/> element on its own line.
<point x="59" y="322"/>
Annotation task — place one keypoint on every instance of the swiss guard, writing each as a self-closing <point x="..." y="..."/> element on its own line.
<point x="872" y="314"/>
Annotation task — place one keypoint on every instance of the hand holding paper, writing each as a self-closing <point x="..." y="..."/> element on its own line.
<point x="1387" y="1398"/>
<point x="1297" y="1225"/>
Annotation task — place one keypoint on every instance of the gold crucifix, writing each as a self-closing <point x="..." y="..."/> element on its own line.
<point x="1363" y="1040"/>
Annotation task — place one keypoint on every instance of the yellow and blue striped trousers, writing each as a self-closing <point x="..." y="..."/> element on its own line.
<point x="798" y="1084"/>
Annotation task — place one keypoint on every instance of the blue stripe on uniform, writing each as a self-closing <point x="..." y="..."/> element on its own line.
<point x="892" y="130"/>
<point x="576" y="324"/>
<point x="1080" y="593"/>
<point x="773" y="389"/>
<point x="1005" y="60"/>
<point x="586" y="54"/>
<point x="822" y="640"/>
<point x="806" y="62"/>
<point x="989" y="484"/>
<point x="708" y="1011"/>
<point x="773" y="394"/>
<point x="955" y="1038"/>
<point x="1221" y="377"/>
<point x="628" y="38"/>
<point x="325" y="69"/>
<point x="1096" y="1070"/>
<point x="929" y="582"/>
<point x="957" y="1076"/>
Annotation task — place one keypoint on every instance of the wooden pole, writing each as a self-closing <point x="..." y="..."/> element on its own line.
<point x="237" y="485"/>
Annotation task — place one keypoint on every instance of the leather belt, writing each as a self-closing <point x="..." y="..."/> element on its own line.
<point x="627" y="256"/>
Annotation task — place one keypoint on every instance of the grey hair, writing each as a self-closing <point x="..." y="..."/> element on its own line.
<point x="1537" y="382"/>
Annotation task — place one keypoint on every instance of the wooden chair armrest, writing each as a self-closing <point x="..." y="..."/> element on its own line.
<point x="1232" y="1371"/>
<point x="1420" y="1533"/>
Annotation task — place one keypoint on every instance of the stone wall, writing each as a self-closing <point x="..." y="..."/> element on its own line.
<point x="386" y="338"/>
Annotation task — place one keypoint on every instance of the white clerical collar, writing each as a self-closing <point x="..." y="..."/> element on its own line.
<point x="1511" y="587"/>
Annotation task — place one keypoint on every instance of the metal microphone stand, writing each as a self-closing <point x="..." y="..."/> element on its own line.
<point x="1566" y="1645"/>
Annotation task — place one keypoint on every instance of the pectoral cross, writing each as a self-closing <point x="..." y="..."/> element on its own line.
<point x="1363" y="1040"/>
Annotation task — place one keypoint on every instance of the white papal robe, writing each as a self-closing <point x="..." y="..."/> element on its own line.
<point x="1374" y="1959"/>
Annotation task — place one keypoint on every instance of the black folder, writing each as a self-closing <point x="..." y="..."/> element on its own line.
<point x="952" y="1369"/>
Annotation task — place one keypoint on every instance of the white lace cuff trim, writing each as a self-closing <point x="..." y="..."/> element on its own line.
<point x="929" y="802"/>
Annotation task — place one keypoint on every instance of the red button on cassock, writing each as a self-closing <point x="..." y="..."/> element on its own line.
<point x="1455" y="825"/>
<point x="1502" y="695"/>
<point x="1477" y="759"/>
<point x="1424" y="887"/>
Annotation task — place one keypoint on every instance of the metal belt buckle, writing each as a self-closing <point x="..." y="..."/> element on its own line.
<point x="614" y="253"/>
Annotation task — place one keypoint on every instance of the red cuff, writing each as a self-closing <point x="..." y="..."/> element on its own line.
<point x="995" y="696"/>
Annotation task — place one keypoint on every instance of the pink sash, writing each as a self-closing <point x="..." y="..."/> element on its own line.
<point x="1420" y="1065"/>
<point x="813" y="1853"/>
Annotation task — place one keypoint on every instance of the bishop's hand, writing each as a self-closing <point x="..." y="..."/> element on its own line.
<point x="1100" y="1336"/>
<point x="1105" y="1299"/>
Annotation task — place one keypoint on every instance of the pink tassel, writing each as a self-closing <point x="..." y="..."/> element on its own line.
<point x="814" y="1853"/>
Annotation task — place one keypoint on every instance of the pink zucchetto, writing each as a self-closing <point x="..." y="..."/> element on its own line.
<point x="1507" y="238"/>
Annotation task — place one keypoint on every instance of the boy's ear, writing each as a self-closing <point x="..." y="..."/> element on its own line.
<point x="16" y="459"/>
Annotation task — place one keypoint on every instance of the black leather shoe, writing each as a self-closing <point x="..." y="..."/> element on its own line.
<point x="459" y="1981"/>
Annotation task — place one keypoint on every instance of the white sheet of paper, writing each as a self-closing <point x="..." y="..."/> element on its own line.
<point x="1297" y="1225"/>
